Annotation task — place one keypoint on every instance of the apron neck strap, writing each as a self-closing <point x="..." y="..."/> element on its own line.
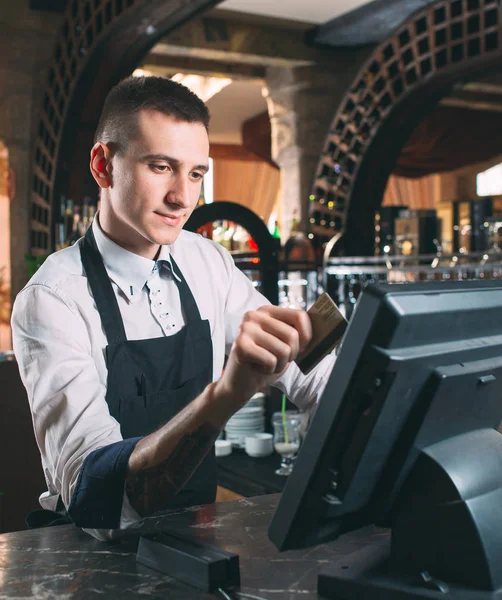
<point x="102" y="290"/>
<point x="188" y="303"/>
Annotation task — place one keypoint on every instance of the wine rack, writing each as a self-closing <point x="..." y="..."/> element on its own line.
<point x="449" y="35"/>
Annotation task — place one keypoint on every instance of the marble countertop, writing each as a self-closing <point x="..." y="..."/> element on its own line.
<point x="64" y="563"/>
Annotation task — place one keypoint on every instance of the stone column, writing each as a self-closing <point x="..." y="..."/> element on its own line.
<point x="26" y="45"/>
<point x="302" y="102"/>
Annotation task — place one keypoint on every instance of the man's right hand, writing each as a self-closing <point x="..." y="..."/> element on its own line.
<point x="269" y="339"/>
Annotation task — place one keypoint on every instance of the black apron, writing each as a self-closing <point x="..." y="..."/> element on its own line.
<point x="151" y="380"/>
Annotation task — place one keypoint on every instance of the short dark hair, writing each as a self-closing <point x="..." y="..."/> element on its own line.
<point x="134" y="94"/>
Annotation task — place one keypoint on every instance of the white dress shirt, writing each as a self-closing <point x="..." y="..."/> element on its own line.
<point x="60" y="344"/>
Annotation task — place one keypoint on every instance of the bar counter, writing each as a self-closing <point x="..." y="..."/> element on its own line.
<point x="64" y="563"/>
<point x="250" y="476"/>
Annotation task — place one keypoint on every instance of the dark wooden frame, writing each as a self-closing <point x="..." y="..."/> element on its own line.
<point x="254" y="225"/>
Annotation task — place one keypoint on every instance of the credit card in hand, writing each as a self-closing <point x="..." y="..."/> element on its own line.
<point x="328" y="327"/>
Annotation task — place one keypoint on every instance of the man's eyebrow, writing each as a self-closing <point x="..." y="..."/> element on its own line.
<point x="171" y="160"/>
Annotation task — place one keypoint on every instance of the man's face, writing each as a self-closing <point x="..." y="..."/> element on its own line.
<point x="156" y="184"/>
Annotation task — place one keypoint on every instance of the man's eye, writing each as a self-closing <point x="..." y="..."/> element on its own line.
<point x="197" y="175"/>
<point x="159" y="168"/>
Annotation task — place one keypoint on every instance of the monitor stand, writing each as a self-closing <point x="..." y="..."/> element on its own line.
<point x="446" y="536"/>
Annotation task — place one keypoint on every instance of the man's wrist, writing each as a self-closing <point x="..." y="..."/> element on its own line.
<point x="220" y="402"/>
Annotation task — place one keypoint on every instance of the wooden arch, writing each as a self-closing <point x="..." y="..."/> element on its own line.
<point x="254" y="225"/>
<point x="403" y="79"/>
<point x="101" y="41"/>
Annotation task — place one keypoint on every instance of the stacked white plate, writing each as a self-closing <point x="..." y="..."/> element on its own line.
<point x="247" y="421"/>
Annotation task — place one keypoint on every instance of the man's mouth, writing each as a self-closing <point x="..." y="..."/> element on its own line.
<point x="169" y="219"/>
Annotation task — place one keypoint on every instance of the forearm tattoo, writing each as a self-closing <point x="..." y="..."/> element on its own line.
<point x="151" y="489"/>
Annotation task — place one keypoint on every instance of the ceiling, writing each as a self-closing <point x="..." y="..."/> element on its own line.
<point x="246" y="101"/>
<point x="336" y="23"/>
<point x="242" y="100"/>
<point x="313" y="11"/>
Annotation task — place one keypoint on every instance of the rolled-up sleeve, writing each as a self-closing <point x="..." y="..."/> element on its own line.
<point x="83" y="453"/>
<point x="96" y="502"/>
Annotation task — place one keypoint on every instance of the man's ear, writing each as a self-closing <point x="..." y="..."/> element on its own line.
<point x="100" y="165"/>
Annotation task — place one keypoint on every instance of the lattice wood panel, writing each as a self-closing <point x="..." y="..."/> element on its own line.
<point x="446" y="35"/>
<point x="84" y="24"/>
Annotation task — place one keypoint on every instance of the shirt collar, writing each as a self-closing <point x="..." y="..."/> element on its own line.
<point x="127" y="270"/>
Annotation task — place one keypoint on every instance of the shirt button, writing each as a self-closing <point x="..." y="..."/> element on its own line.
<point x="163" y="315"/>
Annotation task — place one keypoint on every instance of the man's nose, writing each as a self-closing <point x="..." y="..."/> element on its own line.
<point x="179" y="193"/>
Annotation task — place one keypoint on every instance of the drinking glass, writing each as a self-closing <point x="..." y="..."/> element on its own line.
<point x="287" y="440"/>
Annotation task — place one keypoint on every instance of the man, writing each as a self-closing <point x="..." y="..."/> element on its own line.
<point x="121" y="338"/>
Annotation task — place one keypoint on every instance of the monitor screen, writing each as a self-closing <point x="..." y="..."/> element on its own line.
<point x="419" y="363"/>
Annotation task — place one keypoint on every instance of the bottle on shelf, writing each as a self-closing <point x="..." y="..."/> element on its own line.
<point x="252" y="245"/>
<point x="276" y="234"/>
<point x="405" y="243"/>
<point x="240" y="239"/>
<point x="218" y="231"/>
<point x="205" y="230"/>
<point x="68" y="217"/>
<point x="298" y="248"/>
<point x="86" y="221"/>
<point x="295" y="224"/>
<point x="76" y="230"/>
<point x="59" y="232"/>
<point x="228" y="235"/>
<point x="73" y="221"/>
